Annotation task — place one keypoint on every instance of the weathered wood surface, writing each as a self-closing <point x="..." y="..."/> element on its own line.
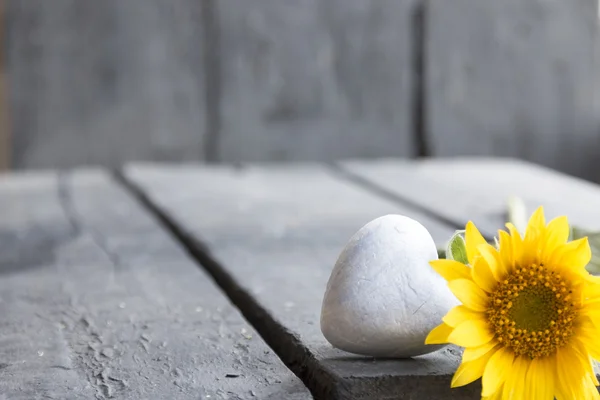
<point x="271" y="236"/>
<point x="5" y="139"/>
<point x="517" y="78"/>
<point x="315" y="80"/>
<point x="103" y="82"/>
<point x="459" y="190"/>
<point x="264" y="80"/>
<point x="97" y="301"/>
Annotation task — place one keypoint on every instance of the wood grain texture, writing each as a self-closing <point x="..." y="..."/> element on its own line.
<point x="478" y="189"/>
<point x="270" y="237"/>
<point x="97" y="301"/>
<point x="102" y="82"/>
<point x="316" y="79"/>
<point x="518" y="78"/>
<point x="5" y="136"/>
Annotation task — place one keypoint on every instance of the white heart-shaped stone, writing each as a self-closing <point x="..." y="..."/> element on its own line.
<point x="383" y="298"/>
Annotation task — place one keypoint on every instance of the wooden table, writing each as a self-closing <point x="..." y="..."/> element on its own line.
<point x="205" y="282"/>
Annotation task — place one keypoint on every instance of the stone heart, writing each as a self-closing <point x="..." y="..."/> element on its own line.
<point x="383" y="297"/>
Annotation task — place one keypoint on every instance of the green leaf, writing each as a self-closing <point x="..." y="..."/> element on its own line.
<point x="456" y="249"/>
<point x="594" y="239"/>
<point x="578" y="233"/>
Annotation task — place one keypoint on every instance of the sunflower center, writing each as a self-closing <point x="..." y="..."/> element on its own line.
<point x="531" y="311"/>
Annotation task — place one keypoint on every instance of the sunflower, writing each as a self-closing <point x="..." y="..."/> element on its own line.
<point x="530" y="314"/>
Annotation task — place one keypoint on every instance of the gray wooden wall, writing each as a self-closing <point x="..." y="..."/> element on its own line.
<point x="103" y="82"/>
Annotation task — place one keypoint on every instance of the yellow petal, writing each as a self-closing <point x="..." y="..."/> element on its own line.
<point x="470" y="371"/>
<point x="558" y="390"/>
<point x="469" y="294"/>
<point x="496" y="371"/>
<point x="591" y="288"/>
<point x="473" y="239"/>
<point x="539" y="381"/>
<point x="471" y="333"/>
<point x="514" y="232"/>
<point x="590" y="310"/>
<point x="482" y="275"/>
<point x="439" y="334"/>
<point x="450" y="269"/>
<point x="558" y="234"/>
<point x="514" y="387"/>
<point x="530" y="253"/>
<point x="496" y="396"/>
<point x="575" y="255"/>
<point x="534" y="238"/>
<point x="471" y="353"/>
<point x="582" y="353"/>
<point x="537" y="222"/>
<point x="460" y="314"/>
<point x="493" y="260"/>
<point x="515" y="238"/>
<point x="507" y="253"/>
<point x="573" y="368"/>
<point x="570" y="373"/>
<point x="591" y="390"/>
<point x="588" y="336"/>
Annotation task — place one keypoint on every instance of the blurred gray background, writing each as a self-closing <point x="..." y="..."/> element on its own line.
<point x="90" y="82"/>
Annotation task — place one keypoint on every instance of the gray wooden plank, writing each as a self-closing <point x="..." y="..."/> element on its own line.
<point x="478" y="189"/>
<point x="518" y="78"/>
<point x="97" y="301"/>
<point x="103" y="82"/>
<point x="5" y="136"/>
<point x="306" y="80"/>
<point x="270" y="236"/>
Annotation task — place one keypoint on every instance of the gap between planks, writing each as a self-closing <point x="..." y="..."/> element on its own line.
<point x="322" y="383"/>
<point x="287" y="347"/>
<point x="380" y="191"/>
